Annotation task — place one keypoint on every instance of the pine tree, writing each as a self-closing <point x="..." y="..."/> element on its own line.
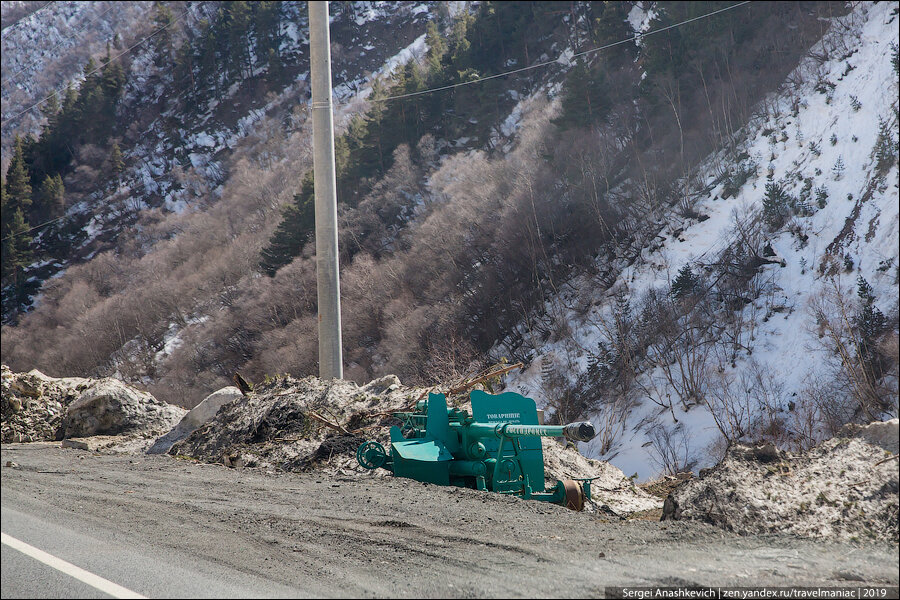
<point x="266" y="22"/>
<point x="436" y="48"/>
<point x="16" y="197"/>
<point x="895" y="57"/>
<point x="116" y="162"/>
<point x="18" y="179"/>
<point x="612" y="26"/>
<point x="586" y="100"/>
<point x="50" y="110"/>
<point x="776" y="205"/>
<point x="885" y="148"/>
<point x="234" y="21"/>
<point x="459" y="44"/>
<point x="297" y="225"/>
<point x="208" y="71"/>
<point x="184" y="69"/>
<point x="871" y="324"/>
<point x="50" y="197"/>
<point x="162" y="41"/>
<point x="838" y="168"/>
<point x="685" y="284"/>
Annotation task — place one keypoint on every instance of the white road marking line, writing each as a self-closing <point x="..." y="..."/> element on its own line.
<point x="95" y="581"/>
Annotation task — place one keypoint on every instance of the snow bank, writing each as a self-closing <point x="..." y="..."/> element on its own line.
<point x="845" y="488"/>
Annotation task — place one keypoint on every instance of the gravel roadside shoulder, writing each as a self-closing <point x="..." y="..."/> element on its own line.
<point x="376" y="537"/>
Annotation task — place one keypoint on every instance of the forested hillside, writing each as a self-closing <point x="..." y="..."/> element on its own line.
<point x="505" y="169"/>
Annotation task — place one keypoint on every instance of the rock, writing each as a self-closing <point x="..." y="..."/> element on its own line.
<point x="33" y="403"/>
<point x="111" y="407"/>
<point x="74" y="444"/>
<point x="610" y="488"/>
<point x="767" y="453"/>
<point x="885" y="434"/>
<point x="382" y="384"/>
<point x="200" y="415"/>
<point x="210" y="405"/>
<point x="670" y="509"/>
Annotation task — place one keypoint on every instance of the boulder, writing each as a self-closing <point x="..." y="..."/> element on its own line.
<point x="33" y="404"/>
<point x="199" y="415"/>
<point x="885" y="434"/>
<point x="110" y="407"/>
<point x="210" y="405"/>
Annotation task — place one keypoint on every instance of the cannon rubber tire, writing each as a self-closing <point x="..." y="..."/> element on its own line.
<point x="574" y="495"/>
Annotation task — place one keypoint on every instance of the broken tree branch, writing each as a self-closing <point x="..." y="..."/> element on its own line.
<point x="326" y="422"/>
<point x="467" y="386"/>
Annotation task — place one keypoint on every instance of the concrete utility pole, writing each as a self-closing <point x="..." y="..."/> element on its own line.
<point x="327" y="268"/>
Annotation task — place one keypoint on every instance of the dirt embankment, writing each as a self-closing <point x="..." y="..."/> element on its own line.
<point x="846" y="488"/>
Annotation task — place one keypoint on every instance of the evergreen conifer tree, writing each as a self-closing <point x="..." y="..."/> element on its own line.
<point x="870" y="324"/>
<point x="297" y="225"/>
<point x="18" y="179"/>
<point x="585" y="101"/>
<point x="685" y="284"/>
<point x="50" y="197"/>
<point x="885" y="148"/>
<point x="116" y="162"/>
<point x="13" y="226"/>
<point x="776" y="205"/>
<point x="612" y="25"/>
<point x="436" y="48"/>
<point x="162" y="41"/>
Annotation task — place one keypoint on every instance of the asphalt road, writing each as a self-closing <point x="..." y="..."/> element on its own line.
<point x="161" y="527"/>
<point x="148" y="570"/>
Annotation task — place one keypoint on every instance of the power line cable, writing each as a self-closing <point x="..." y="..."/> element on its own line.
<point x="50" y="222"/>
<point x="60" y="43"/>
<point x="124" y="52"/>
<point x="447" y="87"/>
<point x="44" y="224"/>
<point x="633" y="38"/>
<point x="43" y="6"/>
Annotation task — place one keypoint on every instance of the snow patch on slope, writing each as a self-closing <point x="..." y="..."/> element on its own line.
<point x="859" y="220"/>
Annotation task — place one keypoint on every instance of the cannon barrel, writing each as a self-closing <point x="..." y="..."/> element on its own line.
<point x="576" y="432"/>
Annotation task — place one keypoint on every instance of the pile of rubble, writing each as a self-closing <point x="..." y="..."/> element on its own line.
<point x="36" y="407"/>
<point x="299" y="424"/>
<point x="284" y="423"/>
<point x="307" y="424"/>
<point x="32" y="404"/>
<point x="844" y="488"/>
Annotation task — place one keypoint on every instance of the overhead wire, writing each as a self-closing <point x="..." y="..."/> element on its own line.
<point x="124" y="52"/>
<point x="558" y="61"/>
<point x="60" y="43"/>
<point x="44" y="224"/>
<point x="19" y="22"/>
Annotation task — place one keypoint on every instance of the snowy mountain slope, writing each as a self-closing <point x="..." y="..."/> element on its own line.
<point x="179" y="156"/>
<point x="48" y="48"/>
<point x="824" y="127"/>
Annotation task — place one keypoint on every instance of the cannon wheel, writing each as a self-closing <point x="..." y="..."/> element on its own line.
<point x="371" y="455"/>
<point x="574" y="495"/>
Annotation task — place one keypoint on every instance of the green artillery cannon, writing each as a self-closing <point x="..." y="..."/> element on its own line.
<point x="496" y="448"/>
